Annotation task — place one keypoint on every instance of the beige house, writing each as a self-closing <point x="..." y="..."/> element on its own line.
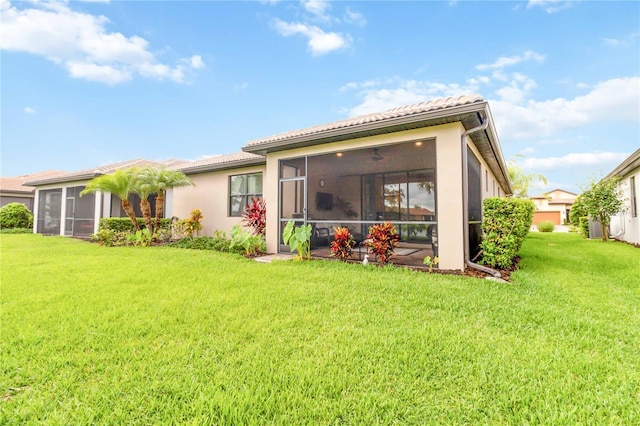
<point x="223" y="185"/>
<point x="59" y="210"/>
<point x="625" y="225"/>
<point x="553" y="206"/>
<point x="440" y="158"/>
<point x="14" y="190"/>
<point x="425" y="168"/>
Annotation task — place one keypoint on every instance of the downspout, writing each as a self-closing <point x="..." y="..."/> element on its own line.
<point x="465" y="201"/>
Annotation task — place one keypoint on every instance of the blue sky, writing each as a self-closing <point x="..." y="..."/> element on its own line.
<point x="90" y="83"/>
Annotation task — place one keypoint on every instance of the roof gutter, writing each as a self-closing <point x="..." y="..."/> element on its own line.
<point x="465" y="199"/>
<point x="223" y="166"/>
<point x="62" y="179"/>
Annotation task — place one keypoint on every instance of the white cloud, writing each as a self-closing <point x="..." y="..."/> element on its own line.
<point x="406" y="92"/>
<point x="353" y="17"/>
<point x="506" y="61"/>
<point x="196" y="62"/>
<point x="617" y="99"/>
<point x="81" y="43"/>
<point x="574" y="159"/>
<point x="319" y="41"/>
<point x="550" y="6"/>
<point x="242" y="86"/>
<point x="316" y="7"/>
<point x="628" y="39"/>
<point x="29" y="110"/>
<point x="102" y="73"/>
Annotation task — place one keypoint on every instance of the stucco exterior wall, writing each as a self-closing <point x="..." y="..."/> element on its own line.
<point x="449" y="183"/>
<point x="211" y="195"/>
<point x="624" y="226"/>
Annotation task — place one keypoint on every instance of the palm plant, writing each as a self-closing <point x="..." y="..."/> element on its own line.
<point x="158" y="180"/>
<point x="119" y="183"/>
<point x="144" y="185"/>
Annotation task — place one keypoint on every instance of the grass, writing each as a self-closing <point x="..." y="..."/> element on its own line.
<point x="125" y="335"/>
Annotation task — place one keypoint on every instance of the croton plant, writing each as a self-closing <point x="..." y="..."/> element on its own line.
<point x="381" y="240"/>
<point x="342" y="244"/>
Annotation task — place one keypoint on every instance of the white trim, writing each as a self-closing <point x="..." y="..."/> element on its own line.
<point x="96" y="211"/>
<point x="36" y="205"/>
<point x="63" y="211"/>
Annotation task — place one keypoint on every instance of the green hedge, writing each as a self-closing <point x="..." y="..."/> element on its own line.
<point x="123" y="224"/>
<point x="546" y="226"/>
<point x="506" y="223"/>
<point x="583" y="224"/>
<point x="15" y="215"/>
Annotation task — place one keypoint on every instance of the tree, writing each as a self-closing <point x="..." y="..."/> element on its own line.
<point x="144" y="184"/>
<point x="119" y="183"/>
<point x="578" y="210"/>
<point x="158" y="180"/>
<point x="601" y="200"/>
<point x="520" y="181"/>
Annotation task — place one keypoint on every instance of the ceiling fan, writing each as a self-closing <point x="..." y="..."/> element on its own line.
<point x="376" y="155"/>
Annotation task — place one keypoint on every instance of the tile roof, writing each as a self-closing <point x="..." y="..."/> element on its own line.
<point x="16" y="183"/>
<point x="104" y="169"/>
<point x="423" y="107"/>
<point x="218" y="162"/>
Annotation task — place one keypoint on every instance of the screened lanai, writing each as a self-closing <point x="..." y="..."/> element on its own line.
<point x="361" y="187"/>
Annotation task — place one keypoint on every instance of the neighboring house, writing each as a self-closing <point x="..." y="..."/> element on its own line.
<point x="553" y="206"/>
<point x="59" y="209"/>
<point x="625" y="225"/>
<point x="13" y="190"/>
<point x="438" y="159"/>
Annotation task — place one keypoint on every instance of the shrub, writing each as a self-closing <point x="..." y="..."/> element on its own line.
<point x="342" y="244"/>
<point x="255" y="216"/>
<point x="112" y="238"/>
<point x="583" y="224"/>
<point x="15" y="215"/>
<point x="382" y="239"/>
<point x="246" y="243"/>
<point x="546" y="226"/>
<point x="16" y="230"/>
<point x="506" y="223"/>
<point x="193" y="224"/>
<point x="202" y="243"/>
<point x="123" y="224"/>
<point x="578" y="210"/>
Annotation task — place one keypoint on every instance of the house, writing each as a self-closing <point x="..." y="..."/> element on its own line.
<point x="59" y="210"/>
<point x="426" y="168"/>
<point x="13" y="190"/>
<point x="553" y="206"/>
<point x="223" y="186"/>
<point x="440" y="157"/>
<point x="625" y="225"/>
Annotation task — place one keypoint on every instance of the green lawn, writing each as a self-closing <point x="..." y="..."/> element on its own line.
<point x="97" y="335"/>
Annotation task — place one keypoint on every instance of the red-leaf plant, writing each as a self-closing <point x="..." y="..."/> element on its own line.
<point x="382" y="240"/>
<point x="255" y="216"/>
<point x="342" y="244"/>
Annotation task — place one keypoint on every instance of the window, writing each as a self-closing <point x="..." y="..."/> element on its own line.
<point x="634" y="201"/>
<point x="241" y="189"/>
<point x="486" y="180"/>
